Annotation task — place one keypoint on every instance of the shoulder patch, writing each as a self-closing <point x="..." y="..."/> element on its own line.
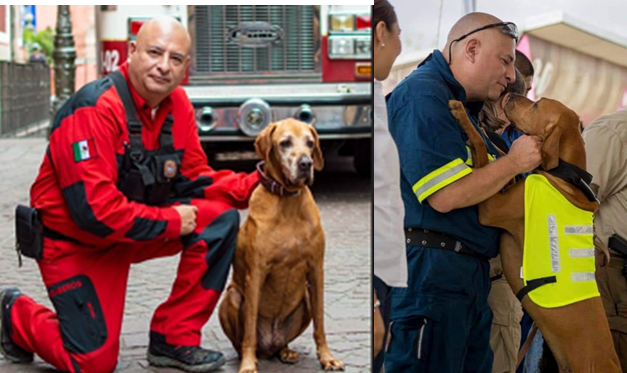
<point x="84" y="150"/>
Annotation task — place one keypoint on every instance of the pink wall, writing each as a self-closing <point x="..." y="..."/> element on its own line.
<point x="83" y="29"/>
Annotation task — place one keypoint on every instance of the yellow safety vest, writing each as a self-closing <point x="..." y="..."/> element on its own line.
<point x="558" y="242"/>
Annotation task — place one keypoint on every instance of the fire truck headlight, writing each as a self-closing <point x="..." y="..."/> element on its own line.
<point x="349" y="47"/>
<point x="342" y="22"/>
<point x="253" y="116"/>
<point x="342" y="47"/>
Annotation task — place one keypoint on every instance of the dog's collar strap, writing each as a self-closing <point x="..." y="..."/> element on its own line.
<point x="272" y="185"/>
<point x="575" y="176"/>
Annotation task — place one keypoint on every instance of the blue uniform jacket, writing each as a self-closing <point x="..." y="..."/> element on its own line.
<point x="433" y="152"/>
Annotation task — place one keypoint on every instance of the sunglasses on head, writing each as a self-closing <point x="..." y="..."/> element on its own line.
<point x="508" y="28"/>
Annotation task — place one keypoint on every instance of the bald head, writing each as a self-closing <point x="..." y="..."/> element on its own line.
<point x="469" y="22"/>
<point x="482" y="62"/>
<point x="158" y="58"/>
<point x="163" y="26"/>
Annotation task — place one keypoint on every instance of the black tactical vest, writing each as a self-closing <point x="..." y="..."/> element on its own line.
<point x="145" y="176"/>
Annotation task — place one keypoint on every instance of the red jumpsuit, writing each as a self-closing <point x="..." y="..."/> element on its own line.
<point x="93" y="233"/>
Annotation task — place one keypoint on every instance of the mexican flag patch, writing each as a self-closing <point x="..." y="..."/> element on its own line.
<point x="83" y="150"/>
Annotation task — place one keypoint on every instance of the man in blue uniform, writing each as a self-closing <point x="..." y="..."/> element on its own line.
<point x="441" y="321"/>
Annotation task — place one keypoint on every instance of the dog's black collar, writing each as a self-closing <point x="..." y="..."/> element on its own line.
<point x="575" y="176"/>
<point x="272" y="185"/>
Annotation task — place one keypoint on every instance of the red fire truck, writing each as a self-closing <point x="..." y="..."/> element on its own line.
<point x="255" y="64"/>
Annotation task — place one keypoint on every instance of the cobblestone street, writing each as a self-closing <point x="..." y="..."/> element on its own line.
<point x="344" y="201"/>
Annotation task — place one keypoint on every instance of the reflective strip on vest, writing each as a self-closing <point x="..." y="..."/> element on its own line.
<point x="558" y="242"/>
<point x="578" y="229"/>
<point x="440" y="178"/>
<point x="469" y="159"/>
<point x="581" y="253"/>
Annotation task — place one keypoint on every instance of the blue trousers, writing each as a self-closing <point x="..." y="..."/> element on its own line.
<point x="382" y="291"/>
<point x="441" y="322"/>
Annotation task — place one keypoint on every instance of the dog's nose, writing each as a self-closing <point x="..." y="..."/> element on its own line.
<point x="305" y="163"/>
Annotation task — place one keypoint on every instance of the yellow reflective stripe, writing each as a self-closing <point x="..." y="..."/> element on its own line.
<point x="440" y="178"/>
<point x="469" y="159"/>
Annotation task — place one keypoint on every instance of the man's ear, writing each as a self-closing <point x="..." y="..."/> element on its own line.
<point x="132" y="48"/>
<point x="263" y="142"/>
<point x="551" y="146"/>
<point x="472" y="47"/>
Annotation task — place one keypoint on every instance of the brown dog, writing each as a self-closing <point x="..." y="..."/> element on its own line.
<point x="578" y="334"/>
<point x="277" y="285"/>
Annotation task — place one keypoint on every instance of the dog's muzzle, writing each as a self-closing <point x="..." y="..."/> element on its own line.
<point x="305" y="164"/>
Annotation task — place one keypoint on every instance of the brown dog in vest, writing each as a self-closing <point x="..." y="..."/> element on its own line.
<point x="277" y="285"/>
<point x="578" y="334"/>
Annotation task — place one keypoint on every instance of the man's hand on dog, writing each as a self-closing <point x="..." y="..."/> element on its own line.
<point x="188" y="218"/>
<point x="526" y="153"/>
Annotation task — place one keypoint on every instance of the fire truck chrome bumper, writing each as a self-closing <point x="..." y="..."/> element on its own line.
<point x="337" y="111"/>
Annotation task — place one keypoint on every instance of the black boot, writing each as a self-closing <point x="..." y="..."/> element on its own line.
<point x="8" y="348"/>
<point x="189" y="358"/>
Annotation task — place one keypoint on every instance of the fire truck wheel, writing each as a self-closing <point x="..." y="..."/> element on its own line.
<point x="363" y="157"/>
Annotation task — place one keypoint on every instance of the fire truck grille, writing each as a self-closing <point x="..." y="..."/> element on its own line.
<point x="292" y="53"/>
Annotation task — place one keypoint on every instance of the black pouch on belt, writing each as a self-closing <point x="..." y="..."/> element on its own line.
<point x="28" y="233"/>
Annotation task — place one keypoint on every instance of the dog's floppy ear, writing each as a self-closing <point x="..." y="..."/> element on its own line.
<point x="317" y="152"/>
<point x="551" y="147"/>
<point x="263" y="142"/>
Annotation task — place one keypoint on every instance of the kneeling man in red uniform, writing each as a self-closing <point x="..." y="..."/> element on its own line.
<point x="124" y="180"/>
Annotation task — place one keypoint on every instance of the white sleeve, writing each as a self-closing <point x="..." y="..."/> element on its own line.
<point x="390" y="262"/>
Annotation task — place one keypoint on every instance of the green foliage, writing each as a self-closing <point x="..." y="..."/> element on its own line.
<point x="45" y="39"/>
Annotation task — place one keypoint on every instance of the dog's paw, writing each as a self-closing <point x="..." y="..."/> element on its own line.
<point x="288" y="356"/>
<point x="248" y="367"/>
<point x="457" y="109"/>
<point x="331" y="364"/>
<point x="248" y="370"/>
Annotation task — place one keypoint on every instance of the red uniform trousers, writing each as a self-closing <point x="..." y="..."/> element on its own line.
<point x="88" y="286"/>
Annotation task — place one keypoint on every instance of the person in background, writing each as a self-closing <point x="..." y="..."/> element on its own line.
<point x="525" y="67"/>
<point x="492" y="116"/>
<point x="606" y="160"/>
<point x="390" y="263"/>
<point x="36" y="56"/>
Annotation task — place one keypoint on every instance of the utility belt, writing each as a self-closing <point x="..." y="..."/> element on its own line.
<point x="436" y="240"/>
<point x="619" y="244"/>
